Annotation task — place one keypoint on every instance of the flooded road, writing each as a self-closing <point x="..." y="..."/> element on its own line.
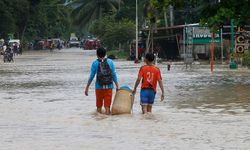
<point x="42" y="106"/>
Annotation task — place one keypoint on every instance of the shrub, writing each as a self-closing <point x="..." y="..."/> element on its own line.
<point x="112" y="32"/>
<point x="246" y="59"/>
<point x="119" y="54"/>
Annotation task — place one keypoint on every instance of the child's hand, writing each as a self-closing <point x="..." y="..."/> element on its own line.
<point x="134" y="92"/>
<point x="87" y="91"/>
<point x="117" y="86"/>
<point x="162" y="97"/>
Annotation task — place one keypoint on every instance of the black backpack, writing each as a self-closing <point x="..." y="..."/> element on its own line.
<point x="104" y="73"/>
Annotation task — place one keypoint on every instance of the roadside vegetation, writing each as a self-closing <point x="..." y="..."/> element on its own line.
<point x="28" y="20"/>
<point x="246" y="59"/>
<point x="113" y="32"/>
<point x="119" y="54"/>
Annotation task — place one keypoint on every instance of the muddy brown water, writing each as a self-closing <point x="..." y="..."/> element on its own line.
<point x="42" y="106"/>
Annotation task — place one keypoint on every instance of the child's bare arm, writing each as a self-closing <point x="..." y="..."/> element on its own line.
<point x="87" y="88"/>
<point x="137" y="82"/>
<point x="162" y="89"/>
<point x="117" y="85"/>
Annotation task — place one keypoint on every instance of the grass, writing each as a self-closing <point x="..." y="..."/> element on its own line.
<point x="119" y="54"/>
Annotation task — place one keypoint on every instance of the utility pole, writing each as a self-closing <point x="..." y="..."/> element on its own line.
<point x="221" y="41"/>
<point x="221" y="44"/>
<point x="212" y="54"/>
<point x="232" y="65"/>
<point x="136" y="34"/>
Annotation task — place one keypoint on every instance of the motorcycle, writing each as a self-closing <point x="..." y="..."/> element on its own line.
<point x="8" y="56"/>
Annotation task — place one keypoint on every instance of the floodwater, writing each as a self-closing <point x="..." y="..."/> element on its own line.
<point x="42" y="106"/>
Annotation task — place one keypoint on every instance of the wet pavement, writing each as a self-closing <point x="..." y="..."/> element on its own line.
<point x="42" y="106"/>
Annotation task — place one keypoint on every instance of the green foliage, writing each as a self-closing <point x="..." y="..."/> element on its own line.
<point x="112" y="32"/>
<point x="154" y="9"/>
<point x="210" y="13"/>
<point x="87" y="11"/>
<point x="127" y="10"/>
<point x="214" y="14"/>
<point x="49" y="19"/>
<point x="13" y="16"/>
<point x="34" y="19"/>
<point x="119" y="54"/>
<point x="159" y="4"/>
<point x="121" y="32"/>
<point x="246" y="59"/>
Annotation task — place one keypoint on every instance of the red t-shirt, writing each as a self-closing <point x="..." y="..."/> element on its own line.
<point x="150" y="75"/>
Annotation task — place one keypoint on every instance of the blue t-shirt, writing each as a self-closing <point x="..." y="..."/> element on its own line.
<point x="94" y="69"/>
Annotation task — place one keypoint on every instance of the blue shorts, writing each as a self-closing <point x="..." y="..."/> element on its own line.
<point x="147" y="96"/>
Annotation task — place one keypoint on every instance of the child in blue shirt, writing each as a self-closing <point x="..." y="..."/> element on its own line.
<point x="103" y="92"/>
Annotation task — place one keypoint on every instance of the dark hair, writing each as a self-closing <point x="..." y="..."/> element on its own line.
<point x="101" y="52"/>
<point x="150" y="57"/>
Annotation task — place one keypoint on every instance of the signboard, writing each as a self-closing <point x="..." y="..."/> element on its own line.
<point x="202" y="35"/>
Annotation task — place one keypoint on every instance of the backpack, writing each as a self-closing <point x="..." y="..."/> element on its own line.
<point x="104" y="73"/>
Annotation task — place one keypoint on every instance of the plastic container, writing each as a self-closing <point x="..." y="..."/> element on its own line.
<point x="123" y="101"/>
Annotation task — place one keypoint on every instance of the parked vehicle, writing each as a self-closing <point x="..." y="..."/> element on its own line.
<point x="91" y="44"/>
<point x="14" y="41"/>
<point x="74" y="43"/>
<point x="15" y="46"/>
<point x="39" y="45"/>
<point x="58" y="43"/>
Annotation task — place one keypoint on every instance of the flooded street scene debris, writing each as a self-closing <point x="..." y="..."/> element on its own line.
<point x="43" y="107"/>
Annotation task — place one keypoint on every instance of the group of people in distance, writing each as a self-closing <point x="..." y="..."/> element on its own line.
<point x="106" y="77"/>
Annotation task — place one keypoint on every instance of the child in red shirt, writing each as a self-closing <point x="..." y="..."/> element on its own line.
<point x="150" y="75"/>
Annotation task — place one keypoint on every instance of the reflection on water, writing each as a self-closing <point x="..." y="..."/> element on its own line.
<point x="42" y="106"/>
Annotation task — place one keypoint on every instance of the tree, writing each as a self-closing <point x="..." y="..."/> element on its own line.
<point x="34" y="19"/>
<point x="157" y="8"/>
<point x="111" y="32"/>
<point x="127" y="10"/>
<point x="86" y="11"/>
<point x="215" y="14"/>
<point x="58" y="19"/>
<point x="7" y="24"/>
<point x="13" y="14"/>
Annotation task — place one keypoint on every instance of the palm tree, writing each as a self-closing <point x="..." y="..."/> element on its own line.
<point x="86" y="11"/>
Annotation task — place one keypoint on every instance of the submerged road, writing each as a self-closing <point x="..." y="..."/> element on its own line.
<point x="42" y="106"/>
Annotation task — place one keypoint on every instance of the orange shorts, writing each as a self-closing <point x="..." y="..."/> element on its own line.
<point x="103" y="95"/>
